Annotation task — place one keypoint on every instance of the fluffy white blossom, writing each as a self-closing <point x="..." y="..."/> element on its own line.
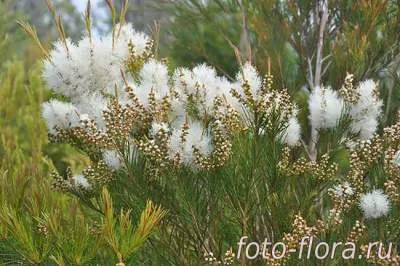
<point x="139" y="40"/>
<point x="366" y="112"/>
<point x="112" y="159"/>
<point x="177" y="112"/>
<point x="196" y="138"/>
<point x="325" y="107"/>
<point x="184" y="81"/>
<point x="58" y="70"/>
<point x="201" y="83"/>
<point x="156" y="127"/>
<point x="292" y="133"/>
<point x="81" y="181"/>
<point x="91" y="65"/>
<point x="87" y="67"/>
<point x="93" y="105"/>
<point x="248" y="74"/>
<point x="153" y="78"/>
<point x="396" y="159"/>
<point x="344" y="189"/>
<point x="251" y="75"/>
<point x="375" y="204"/>
<point x="350" y="144"/>
<point x="59" y="114"/>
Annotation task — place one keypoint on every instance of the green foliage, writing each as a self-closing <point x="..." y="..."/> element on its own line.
<point x="25" y="191"/>
<point x="7" y="40"/>
<point x="204" y="34"/>
<point x="37" y="13"/>
<point x="120" y="233"/>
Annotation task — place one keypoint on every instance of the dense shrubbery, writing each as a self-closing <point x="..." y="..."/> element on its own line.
<point x="37" y="225"/>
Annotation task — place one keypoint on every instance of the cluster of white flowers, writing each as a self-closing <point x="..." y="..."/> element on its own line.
<point x="292" y="133"/>
<point x="91" y="65"/>
<point x="396" y="159"/>
<point x="375" y="204"/>
<point x="250" y="75"/>
<point x="94" y="70"/>
<point x="86" y="72"/>
<point x="90" y="71"/>
<point x="342" y="190"/>
<point x="60" y="115"/>
<point x="81" y="181"/>
<point x="195" y="138"/>
<point x="202" y="85"/>
<point x="327" y="107"/>
<point x="112" y="159"/>
<point x="366" y="112"/>
<point x="152" y="77"/>
<point x="156" y="127"/>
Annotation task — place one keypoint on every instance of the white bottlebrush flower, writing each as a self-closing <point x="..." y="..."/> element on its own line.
<point x="92" y="65"/>
<point x="57" y="71"/>
<point x="201" y="84"/>
<point x="177" y="112"/>
<point x="112" y="159"/>
<point x="196" y="138"/>
<point x="153" y="77"/>
<point x="209" y="86"/>
<point x="366" y="112"/>
<point x="350" y="144"/>
<point x="205" y="74"/>
<point x="365" y="127"/>
<point x="292" y="133"/>
<point x="375" y="204"/>
<point x="106" y="64"/>
<point x="250" y="74"/>
<point x="344" y="189"/>
<point x="156" y="127"/>
<point x="59" y="114"/>
<point x="139" y="40"/>
<point x="184" y="82"/>
<point x="87" y="67"/>
<point x="326" y="108"/>
<point x="81" y="181"/>
<point x="396" y="159"/>
<point x="93" y="106"/>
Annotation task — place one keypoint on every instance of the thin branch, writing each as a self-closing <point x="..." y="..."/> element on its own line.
<point x="326" y="68"/>
<point x="320" y="43"/>
<point x="326" y="58"/>
<point x="310" y="73"/>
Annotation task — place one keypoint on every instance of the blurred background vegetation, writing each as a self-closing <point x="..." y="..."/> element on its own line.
<point x="361" y="37"/>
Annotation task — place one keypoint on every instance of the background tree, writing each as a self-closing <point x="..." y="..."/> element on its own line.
<point x="37" y="13"/>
